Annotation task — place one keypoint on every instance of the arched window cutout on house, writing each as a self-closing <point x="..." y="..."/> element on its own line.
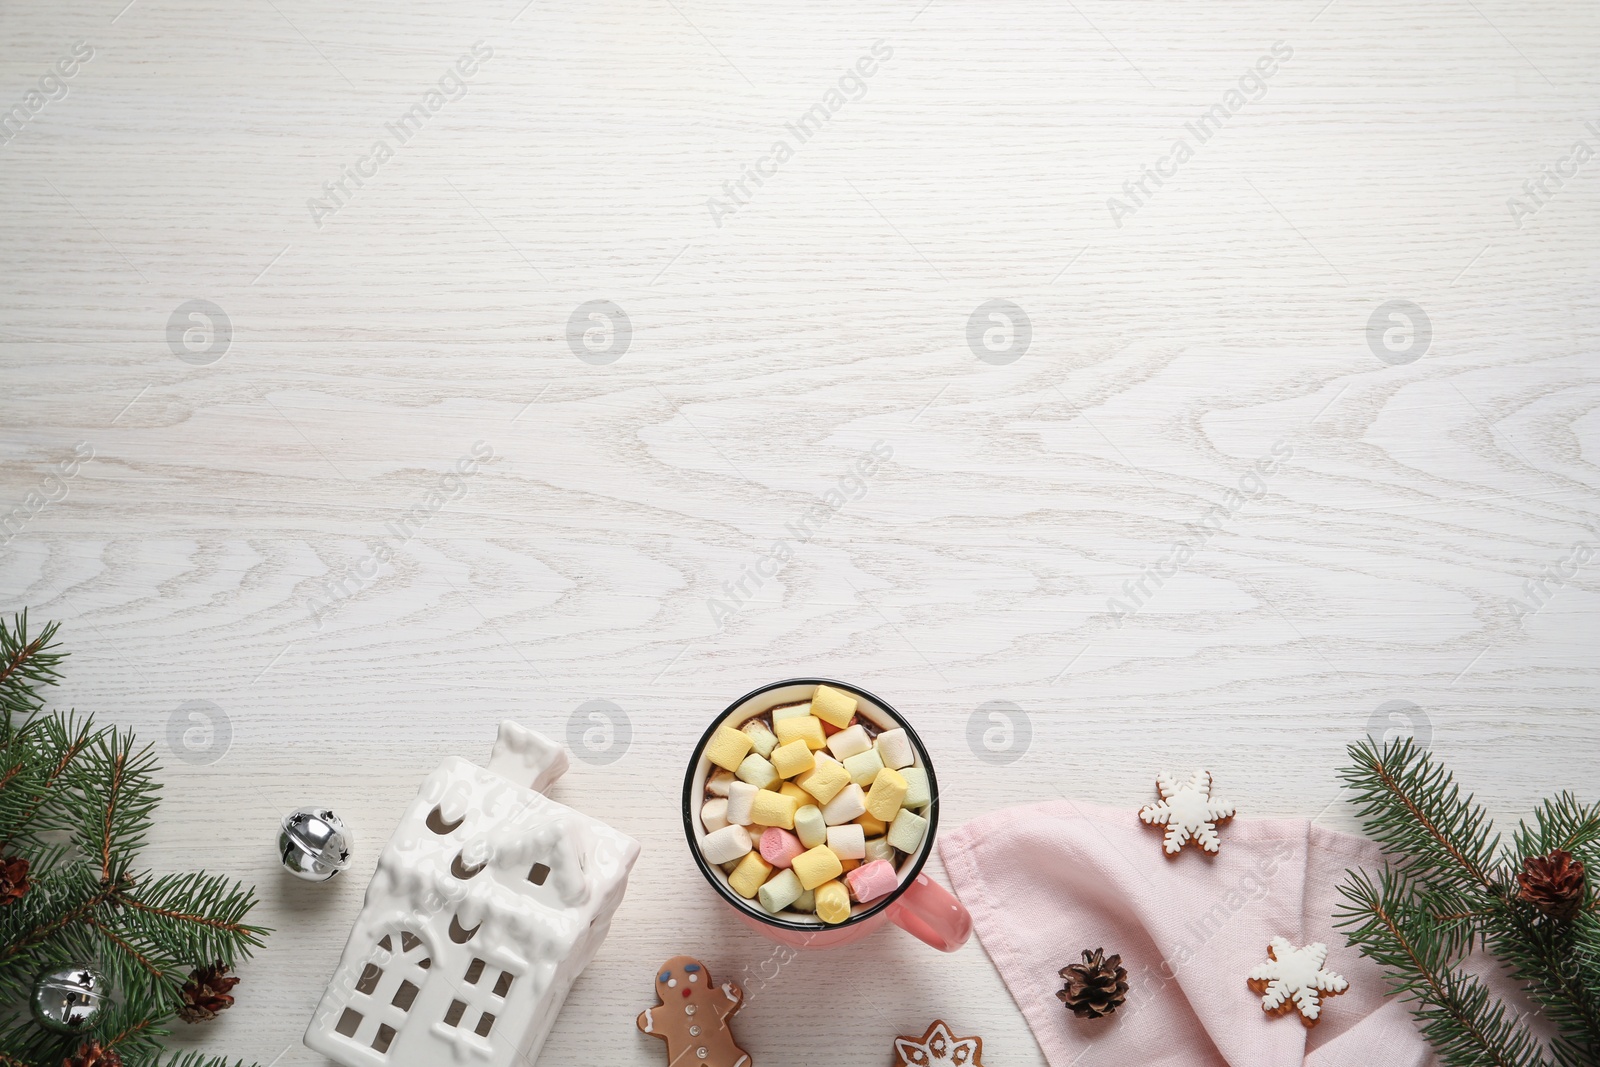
<point x="383" y="988"/>
<point x="436" y="822"/>
<point x="459" y="935"/>
<point x="459" y="868"/>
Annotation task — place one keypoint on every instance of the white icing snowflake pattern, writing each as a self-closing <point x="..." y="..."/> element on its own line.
<point x="1188" y="811"/>
<point x="1296" y="974"/>
<point x="939" y="1046"/>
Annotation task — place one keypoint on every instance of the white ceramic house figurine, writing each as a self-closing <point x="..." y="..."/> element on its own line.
<point x="486" y="905"/>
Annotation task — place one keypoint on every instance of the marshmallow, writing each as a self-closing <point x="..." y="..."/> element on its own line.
<point x="717" y="785"/>
<point x="863" y="767"/>
<point x="888" y="793"/>
<point x="741" y="796"/>
<point x="811" y="827"/>
<point x="816" y="866"/>
<point x="746" y="878"/>
<point x="850" y="742"/>
<point x="872" y="880"/>
<point x="777" y="894"/>
<point x="727" y="747"/>
<point x="714" y="816"/>
<point x="825" y="780"/>
<point x="894" y="748"/>
<point x="847" y="842"/>
<point x="833" y="902"/>
<point x="793" y="758"/>
<point x="879" y="849"/>
<point x="906" y="833"/>
<point x="757" y="771"/>
<point x="726" y="845"/>
<point x="849" y="865"/>
<point x="773" y="809"/>
<point x="848" y="806"/>
<point x="790" y="711"/>
<point x="779" y="848"/>
<point x="806" y="901"/>
<point x="804" y="727"/>
<point x="833" y="705"/>
<point x="801" y="797"/>
<point x="917" y="792"/>
<point x="761" y="738"/>
<point x="870" y="826"/>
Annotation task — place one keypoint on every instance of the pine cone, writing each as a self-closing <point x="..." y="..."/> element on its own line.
<point x="1553" y="884"/>
<point x="205" y="994"/>
<point x="1096" y="987"/>
<point x="13" y="879"/>
<point x="93" y="1054"/>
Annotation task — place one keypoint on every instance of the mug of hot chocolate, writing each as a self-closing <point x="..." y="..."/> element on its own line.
<point x="810" y="806"/>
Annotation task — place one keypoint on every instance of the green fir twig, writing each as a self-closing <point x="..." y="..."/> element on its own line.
<point x="77" y="801"/>
<point x="1451" y="887"/>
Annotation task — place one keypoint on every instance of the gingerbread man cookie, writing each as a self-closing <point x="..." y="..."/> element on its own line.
<point x="692" y="1017"/>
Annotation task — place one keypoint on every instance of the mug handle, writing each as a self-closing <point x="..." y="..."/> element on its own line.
<point x="929" y="911"/>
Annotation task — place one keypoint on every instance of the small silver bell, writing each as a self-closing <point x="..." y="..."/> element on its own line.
<point x="67" y="1001"/>
<point x="314" y="844"/>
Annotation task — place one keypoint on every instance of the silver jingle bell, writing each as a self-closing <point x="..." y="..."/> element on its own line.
<point x="314" y="844"/>
<point x="68" y="1000"/>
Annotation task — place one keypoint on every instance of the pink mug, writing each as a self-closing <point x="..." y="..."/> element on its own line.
<point x="919" y="905"/>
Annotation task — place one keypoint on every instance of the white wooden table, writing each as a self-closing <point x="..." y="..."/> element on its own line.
<point x="1175" y="338"/>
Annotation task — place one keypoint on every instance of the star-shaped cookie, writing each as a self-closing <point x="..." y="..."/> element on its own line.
<point x="938" y="1047"/>
<point x="1188" y="811"/>
<point x="1296" y="976"/>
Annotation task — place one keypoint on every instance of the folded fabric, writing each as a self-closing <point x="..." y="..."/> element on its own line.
<point x="1047" y="881"/>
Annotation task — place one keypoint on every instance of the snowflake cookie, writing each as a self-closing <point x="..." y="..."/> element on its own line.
<point x="1188" y="811"/>
<point x="1296" y="975"/>
<point x="939" y="1046"/>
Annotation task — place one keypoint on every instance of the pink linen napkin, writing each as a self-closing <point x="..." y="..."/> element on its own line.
<point x="1047" y="881"/>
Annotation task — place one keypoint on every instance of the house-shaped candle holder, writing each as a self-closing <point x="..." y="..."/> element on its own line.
<point x="486" y="905"/>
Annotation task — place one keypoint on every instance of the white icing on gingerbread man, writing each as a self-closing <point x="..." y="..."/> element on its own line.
<point x="1188" y="811"/>
<point x="1296" y="974"/>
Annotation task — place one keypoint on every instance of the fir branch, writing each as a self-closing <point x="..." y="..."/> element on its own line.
<point x="25" y="665"/>
<point x="1388" y="922"/>
<point x="1561" y="823"/>
<point x="77" y="802"/>
<point x="135" y="1035"/>
<point x="50" y="906"/>
<point x="46" y="749"/>
<point x="195" y="1059"/>
<point x="1540" y="953"/>
<point x="1413" y="807"/>
<point x="113" y="786"/>
<point x="200" y="915"/>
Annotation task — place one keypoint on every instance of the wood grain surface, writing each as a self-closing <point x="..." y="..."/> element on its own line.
<point x="1230" y="505"/>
